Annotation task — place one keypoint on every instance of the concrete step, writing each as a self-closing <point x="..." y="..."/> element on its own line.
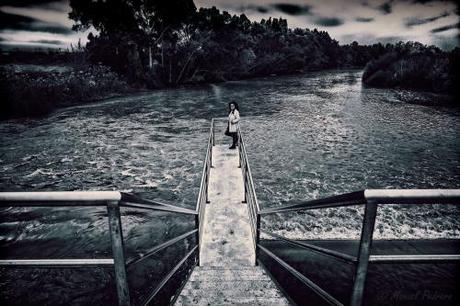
<point x="229" y="267"/>
<point x="226" y="301"/>
<point x="242" y="285"/>
<point x="228" y="274"/>
<point x="238" y="288"/>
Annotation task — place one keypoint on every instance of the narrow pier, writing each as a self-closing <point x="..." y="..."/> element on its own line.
<point x="227" y="274"/>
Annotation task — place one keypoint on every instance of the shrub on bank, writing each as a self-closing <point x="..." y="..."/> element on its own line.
<point x="38" y="92"/>
<point x="413" y="66"/>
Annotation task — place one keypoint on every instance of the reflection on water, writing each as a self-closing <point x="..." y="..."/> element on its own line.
<point x="307" y="137"/>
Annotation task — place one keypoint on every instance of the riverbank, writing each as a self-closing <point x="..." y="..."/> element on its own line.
<point x="29" y="90"/>
<point x="416" y="67"/>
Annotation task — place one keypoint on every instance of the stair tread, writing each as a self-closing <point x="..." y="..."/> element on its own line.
<point x="187" y="300"/>
<point x="238" y="288"/>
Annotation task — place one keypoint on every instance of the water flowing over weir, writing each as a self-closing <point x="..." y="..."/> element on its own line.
<point x="230" y="264"/>
<point x="308" y="137"/>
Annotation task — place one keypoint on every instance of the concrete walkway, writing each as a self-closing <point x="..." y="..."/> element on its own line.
<point x="227" y="275"/>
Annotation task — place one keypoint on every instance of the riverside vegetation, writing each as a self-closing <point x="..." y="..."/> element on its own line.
<point x="415" y="66"/>
<point x="35" y="84"/>
<point x="156" y="44"/>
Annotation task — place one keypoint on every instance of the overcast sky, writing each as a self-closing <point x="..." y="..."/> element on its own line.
<point x="44" y="23"/>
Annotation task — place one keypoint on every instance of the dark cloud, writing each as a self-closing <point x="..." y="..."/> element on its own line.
<point x="19" y="22"/>
<point x="426" y="1"/>
<point x="329" y="21"/>
<point x="385" y="8"/>
<point x="48" y="42"/>
<point x="14" y="21"/>
<point x="262" y="9"/>
<point x="50" y="28"/>
<point x="414" y="21"/>
<point x="445" y="28"/>
<point x="292" y="9"/>
<point x="364" y="19"/>
<point x="29" y="3"/>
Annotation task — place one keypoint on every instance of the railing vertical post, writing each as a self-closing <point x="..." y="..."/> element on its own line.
<point x="212" y="142"/>
<point x="207" y="184"/>
<point x="116" y="235"/>
<point x="245" y="182"/>
<point x="257" y="236"/>
<point x="240" y="149"/>
<point x="198" y="235"/>
<point x="212" y="131"/>
<point x="210" y="155"/>
<point x="370" y="212"/>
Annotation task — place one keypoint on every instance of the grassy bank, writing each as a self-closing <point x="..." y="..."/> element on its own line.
<point x="35" y="90"/>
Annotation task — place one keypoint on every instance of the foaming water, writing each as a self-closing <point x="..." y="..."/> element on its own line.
<point x="307" y="137"/>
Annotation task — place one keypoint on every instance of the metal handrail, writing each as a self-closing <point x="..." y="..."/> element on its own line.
<point x="334" y="254"/>
<point x="171" y="273"/>
<point x="250" y="196"/>
<point x="347" y="199"/>
<point x="140" y="257"/>
<point x="317" y="289"/>
<point x="371" y="198"/>
<point x="80" y="197"/>
<point x="380" y="196"/>
<point x="113" y="200"/>
<point x="203" y="194"/>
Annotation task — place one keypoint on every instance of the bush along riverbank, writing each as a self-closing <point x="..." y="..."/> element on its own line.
<point x="415" y="66"/>
<point x="35" y="90"/>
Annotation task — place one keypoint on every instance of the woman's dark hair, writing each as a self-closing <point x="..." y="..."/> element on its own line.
<point x="236" y="106"/>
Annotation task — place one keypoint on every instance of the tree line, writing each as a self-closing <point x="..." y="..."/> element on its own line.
<point x="169" y="43"/>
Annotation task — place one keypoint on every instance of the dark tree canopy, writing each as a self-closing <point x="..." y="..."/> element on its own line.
<point x="109" y="16"/>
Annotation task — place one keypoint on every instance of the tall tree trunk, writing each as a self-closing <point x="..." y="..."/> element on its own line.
<point x="183" y="68"/>
<point x="162" y="54"/>
<point x="150" y="58"/>
<point x="170" y="71"/>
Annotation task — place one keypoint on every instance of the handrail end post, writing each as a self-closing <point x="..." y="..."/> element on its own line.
<point x="213" y="134"/>
<point x="116" y="235"/>
<point x="198" y="242"/>
<point x="365" y="244"/>
<point x="257" y="239"/>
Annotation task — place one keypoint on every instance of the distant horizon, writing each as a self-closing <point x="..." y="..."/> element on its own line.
<point x="44" y="24"/>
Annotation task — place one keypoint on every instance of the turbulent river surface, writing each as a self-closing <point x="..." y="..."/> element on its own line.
<point x="307" y="136"/>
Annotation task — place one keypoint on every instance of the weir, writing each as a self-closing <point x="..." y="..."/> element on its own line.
<point x="225" y="265"/>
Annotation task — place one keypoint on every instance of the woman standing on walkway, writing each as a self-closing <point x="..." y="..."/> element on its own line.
<point x="233" y="119"/>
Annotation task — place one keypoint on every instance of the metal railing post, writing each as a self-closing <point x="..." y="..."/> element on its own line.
<point x="212" y="130"/>
<point x="257" y="236"/>
<point x="198" y="237"/>
<point x="370" y="212"/>
<point x="207" y="184"/>
<point x="210" y="156"/>
<point x="240" y="150"/>
<point x="245" y="183"/>
<point x="116" y="235"/>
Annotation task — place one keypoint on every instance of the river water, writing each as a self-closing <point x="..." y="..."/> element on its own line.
<point x="307" y="136"/>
